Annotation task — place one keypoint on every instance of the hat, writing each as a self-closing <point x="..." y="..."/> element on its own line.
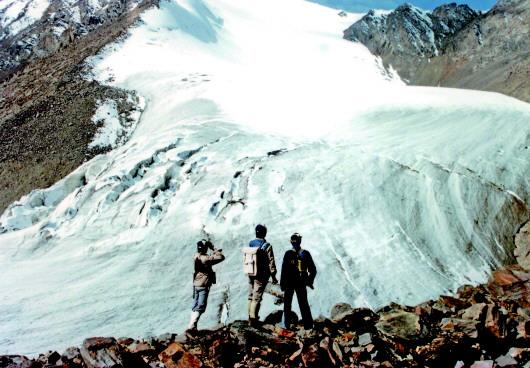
<point x="296" y="237"/>
<point x="261" y="231"/>
<point x="201" y="246"/>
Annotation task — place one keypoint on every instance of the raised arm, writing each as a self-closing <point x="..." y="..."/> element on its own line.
<point x="216" y="257"/>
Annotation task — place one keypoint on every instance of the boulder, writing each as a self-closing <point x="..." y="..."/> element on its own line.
<point x="339" y="311"/>
<point x="476" y="312"/>
<point x="175" y="356"/>
<point x="359" y="319"/>
<point x="504" y="277"/>
<point x="101" y="352"/>
<point x="467" y="326"/>
<point x="400" y="324"/>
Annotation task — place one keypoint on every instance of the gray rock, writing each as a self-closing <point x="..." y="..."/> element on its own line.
<point x="454" y="46"/>
<point x="365" y="339"/>
<point x="101" y="352"/>
<point x="402" y="324"/>
<point x="506" y="361"/>
<point x="338" y="311"/>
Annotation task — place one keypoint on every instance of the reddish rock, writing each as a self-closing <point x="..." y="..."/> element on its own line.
<point x="284" y="332"/>
<point x="494" y="322"/>
<point x="175" y="356"/>
<point x="504" y="277"/>
<point x="453" y="303"/>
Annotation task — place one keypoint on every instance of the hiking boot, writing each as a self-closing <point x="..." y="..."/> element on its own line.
<point x="253" y="322"/>
<point x="191" y="333"/>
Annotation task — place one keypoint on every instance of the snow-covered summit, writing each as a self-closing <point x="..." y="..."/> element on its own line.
<point x="256" y="115"/>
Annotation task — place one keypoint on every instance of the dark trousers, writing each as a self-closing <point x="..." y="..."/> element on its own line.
<point x="301" y="295"/>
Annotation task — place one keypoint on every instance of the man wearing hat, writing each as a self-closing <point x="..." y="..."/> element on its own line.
<point x="203" y="278"/>
<point x="298" y="272"/>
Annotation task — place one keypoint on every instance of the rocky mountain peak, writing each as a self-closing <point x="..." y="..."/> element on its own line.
<point x="453" y="45"/>
<point x="451" y="18"/>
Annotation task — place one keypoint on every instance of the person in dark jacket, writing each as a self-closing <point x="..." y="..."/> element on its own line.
<point x="266" y="269"/>
<point x="298" y="272"/>
<point x="203" y="278"/>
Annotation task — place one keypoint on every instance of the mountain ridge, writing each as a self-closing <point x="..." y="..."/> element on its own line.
<point x="471" y="50"/>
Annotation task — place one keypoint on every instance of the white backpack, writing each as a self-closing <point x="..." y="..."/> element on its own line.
<point x="250" y="260"/>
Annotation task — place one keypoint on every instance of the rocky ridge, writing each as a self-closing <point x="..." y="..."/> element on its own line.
<point x="482" y="326"/>
<point x="454" y="46"/>
<point x="46" y="103"/>
<point x="24" y="39"/>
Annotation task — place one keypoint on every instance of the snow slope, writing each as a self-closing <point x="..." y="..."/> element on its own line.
<point x="258" y="112"/>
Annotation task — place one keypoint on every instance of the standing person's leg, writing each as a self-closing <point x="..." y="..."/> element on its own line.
<point x="250" y="296"/>
<point x="259" y="289"/>
<point x="199" y="305"/>
<point x="305" y="310"/>
<point x="287" y="306"/>
<point x="202" y="299"/>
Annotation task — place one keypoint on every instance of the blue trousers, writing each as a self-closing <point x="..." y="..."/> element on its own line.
<point x="200" y="299"/>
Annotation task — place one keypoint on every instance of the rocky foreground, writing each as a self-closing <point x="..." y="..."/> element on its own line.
<point x="482" y="326"/>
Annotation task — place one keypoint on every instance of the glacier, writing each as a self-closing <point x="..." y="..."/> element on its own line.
<point x="259" y="112"/>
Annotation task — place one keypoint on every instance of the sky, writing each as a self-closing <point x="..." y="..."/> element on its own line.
<point x="365" y="5"/>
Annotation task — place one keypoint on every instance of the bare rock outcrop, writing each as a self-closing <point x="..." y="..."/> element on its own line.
<point x="454" y="46"/>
